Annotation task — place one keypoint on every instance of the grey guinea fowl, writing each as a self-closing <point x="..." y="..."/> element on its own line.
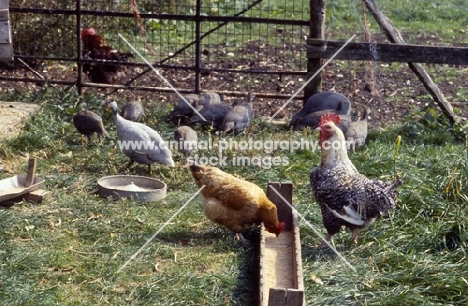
<point x="210" y="97"/>
<point x="312" y="120"/>
<point x="239" y="117"/>
<point x="87" y="123"/>
<point x="139" y="142"/>
<point x="187" y="139"/>
<point x="357" y="131"/>
<point x="133" y="110"/>
<point x="321" y="101"/>
<point x="214" y="114"/>
<point x="183" y="111"/>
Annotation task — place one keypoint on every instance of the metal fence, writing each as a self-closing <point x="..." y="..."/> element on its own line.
<point x="232" y="46"/>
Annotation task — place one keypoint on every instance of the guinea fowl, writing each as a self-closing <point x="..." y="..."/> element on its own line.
<point x="213" y="113"/>
<point x="210" y="97"/>
<point x="87" y="123"/>
<point x="187" y="139"/>
<point x="133" y="110"/>
<point x="357" y="131"/>
<point x="139" y="142"/>
<point x="312" y="120"/>
<point x="322" y="101"/>
<point x="346" y="198"/>
<point x="239" y="117"/>
<point x="182" y="111"/>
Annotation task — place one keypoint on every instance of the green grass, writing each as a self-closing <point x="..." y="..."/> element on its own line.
<point x="68" y="249"/>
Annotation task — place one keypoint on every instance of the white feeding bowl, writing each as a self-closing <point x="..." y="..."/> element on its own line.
<point x="140" y="188"/>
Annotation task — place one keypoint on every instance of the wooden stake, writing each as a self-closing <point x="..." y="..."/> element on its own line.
<point x="284" y="210"/>
<point x="31" y="172"/>
<point x="317" y="30"/>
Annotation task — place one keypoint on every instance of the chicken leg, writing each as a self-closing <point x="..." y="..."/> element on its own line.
<point x="354" y="236"/>
<point x="241" y="239"/>
<point x="328" y="238"/>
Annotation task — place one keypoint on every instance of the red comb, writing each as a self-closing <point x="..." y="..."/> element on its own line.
<point x="280" y="228"/>
<point x="88" y="32"/>
<point x="329" y="117"/>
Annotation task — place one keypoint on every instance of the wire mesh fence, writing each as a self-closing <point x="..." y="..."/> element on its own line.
<point x="211" y="44"/>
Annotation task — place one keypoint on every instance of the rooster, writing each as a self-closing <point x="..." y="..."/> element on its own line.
<point x="234" y="202"/>
<point x="345" y="196"/>
<point x="94" y="47"/>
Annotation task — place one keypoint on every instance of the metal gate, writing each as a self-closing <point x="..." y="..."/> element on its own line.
<point x="232" y="46"/>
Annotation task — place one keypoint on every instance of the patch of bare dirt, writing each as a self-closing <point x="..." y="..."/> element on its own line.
<point x="12" y="117"/>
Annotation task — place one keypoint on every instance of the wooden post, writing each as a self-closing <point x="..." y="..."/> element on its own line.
<point x="31" y="172"/>
<point x="284" y="210"/>
<point x="395" y="37"/>
<point x="6" y="44"/>
<point x="317" y="30"/>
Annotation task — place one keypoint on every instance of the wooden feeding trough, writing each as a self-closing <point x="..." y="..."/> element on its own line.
<point x="22" y="187"/>
<point x="281" y="279"/>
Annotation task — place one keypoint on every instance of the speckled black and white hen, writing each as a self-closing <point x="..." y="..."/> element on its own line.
<point x="139" y="142"/>
<point x="346" y="198"/>
<point x="88" y="122"/>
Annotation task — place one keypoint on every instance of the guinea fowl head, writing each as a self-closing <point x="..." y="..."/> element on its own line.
<point x="114" y="106"/>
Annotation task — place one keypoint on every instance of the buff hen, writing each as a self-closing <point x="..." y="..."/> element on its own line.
<point x="233" y="202"/>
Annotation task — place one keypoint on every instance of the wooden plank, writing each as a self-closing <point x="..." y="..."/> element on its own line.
<point x="363" y="51"/>
<point x="6" y="54"/>
<point x="31" y="172"/>
<point x="395" y="36"/>
<point x="314" y="64"/>
<point x="35" y="196"/>
<point x="3" y="4"/>
<point x="281" y="278"/>
<point x="5" y="32"/>
<point x="4" y="14"/>
<point x="297" y="255"/>
<point x="283" y="208"/>
<point x="262" y="283"/>
<point x="285" y="297"/>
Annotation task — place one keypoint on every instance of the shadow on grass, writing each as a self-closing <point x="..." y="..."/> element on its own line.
<point x="223" y="241"/>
